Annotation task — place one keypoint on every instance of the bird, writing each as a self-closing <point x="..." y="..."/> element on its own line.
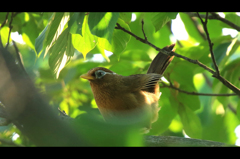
<point x="127" y="97"/>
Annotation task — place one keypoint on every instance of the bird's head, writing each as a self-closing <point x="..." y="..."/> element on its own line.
<point x="98" y="75"/>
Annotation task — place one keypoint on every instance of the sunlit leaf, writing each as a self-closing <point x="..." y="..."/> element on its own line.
<point x="87" y="41"/>
<point x="55" y="28"/>
<point x="160" y="19"/>
<point x="61" y="52"/>
<point x="4" y="35"/>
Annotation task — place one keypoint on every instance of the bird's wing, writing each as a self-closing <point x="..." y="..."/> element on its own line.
<point x="146" y="82"/>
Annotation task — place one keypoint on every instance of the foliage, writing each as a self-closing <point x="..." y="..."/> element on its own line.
<point x="59" y="47"/>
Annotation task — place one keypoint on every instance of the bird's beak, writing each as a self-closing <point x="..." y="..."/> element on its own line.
<point x="85" y="76"/>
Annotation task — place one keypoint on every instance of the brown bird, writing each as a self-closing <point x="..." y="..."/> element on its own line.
<point x="127" y="97"/>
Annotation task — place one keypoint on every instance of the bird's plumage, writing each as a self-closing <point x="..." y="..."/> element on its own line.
<point x="120" y="96"/>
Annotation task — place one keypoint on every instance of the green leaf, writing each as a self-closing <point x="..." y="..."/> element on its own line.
<point x="87" y="41"/>
<point x="195" y="52"/>
<point x="191" y="122"/>
<point x="182" y="73"/>
<point x="124" y="68"/>
<point x="55" y="28"/>
<point x="135" y="55"/>
<point x="160" y="19"/>
<point x="230" y="50"/>
<point x="165" y="115"/>
<point x="102" y="24"/>
<point x="75" y="23"/>
<point x="238" y="110"/>
<point x="231" y="73"/>
<point x="191" y="101"/>
<point x="4" y="35"/>
<point x="51" y="32"/>
<point x="214" y="32"/>
<point x="29" y="33"/>
<point x="126" y="17"/>
<point x="119" y="40"/>
<point x="220" y="52"/>
<point x="39" y="41"/>
<point x="61" y="52"/>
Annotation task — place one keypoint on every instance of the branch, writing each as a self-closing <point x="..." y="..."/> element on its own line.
<point x="199" y="29"/>
<point x="195" y="93"/>
<point x="180" y="141"/>
<point x="143" y="31"/>
<point x="231" y="24"/>
<point x="172" y="53"/>
<point x="28" y="110"/>
<point x="191" y="14"/>
<point x="209" y="42"/>
<point x="217" y="17"/>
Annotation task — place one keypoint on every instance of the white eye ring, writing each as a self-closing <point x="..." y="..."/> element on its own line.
<point x="99" y="74"/>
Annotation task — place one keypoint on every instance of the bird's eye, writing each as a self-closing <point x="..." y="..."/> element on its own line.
<point x="99" y="74"/>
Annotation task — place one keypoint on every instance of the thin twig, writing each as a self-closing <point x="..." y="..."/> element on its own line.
<point x="165" y="51"/>
<point x="192" y="14"/>
<point x="209" y="42"/>
<point x="200" y="31"/>
<point x="18" y="56"/>
<point x="171" y="53"/>
<point x="195" y="93"/>
<point x="217" y="17"/>
<point x="143" y="30"/>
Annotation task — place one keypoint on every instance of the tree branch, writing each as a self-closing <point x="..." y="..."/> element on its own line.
<point x="198" y="27"/>
<point x="143" y="31"/>
<point x="217" y="17"/>
<point x="195" y="93"/>
<point x="172" y="53"/>
<point x="231" y="24"/>
<point x="209" y="42"/>
<point x="179" y="141"/>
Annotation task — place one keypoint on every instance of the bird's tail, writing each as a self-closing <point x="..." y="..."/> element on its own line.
<point x="161" y="61"/>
